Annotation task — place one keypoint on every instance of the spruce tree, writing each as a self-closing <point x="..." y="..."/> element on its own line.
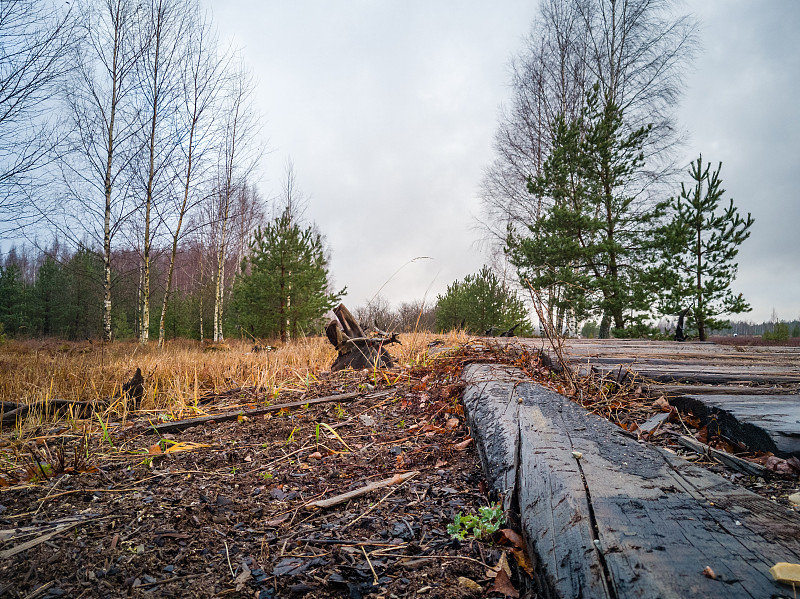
<point x="13" y="294"/>
<point x="699" y="248"/>
<point x="283" y="288"/>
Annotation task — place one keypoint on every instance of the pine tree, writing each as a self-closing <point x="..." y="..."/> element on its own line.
<point x="699" y="245"/>
<point x="589" y="248"/>
<point x="13" y="312"/>
<point x="283" y="287"/>
<point x="480" y="302"/>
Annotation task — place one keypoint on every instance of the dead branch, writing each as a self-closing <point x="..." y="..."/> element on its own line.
<point x="170" y="427"/>
<point x="395" y="480"/>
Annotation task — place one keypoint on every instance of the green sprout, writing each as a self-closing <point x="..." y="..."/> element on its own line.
<point x="489" y="521"/>
<point x="291" y="435"/>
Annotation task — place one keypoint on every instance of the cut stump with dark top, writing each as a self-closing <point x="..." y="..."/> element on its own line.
<point x="604" y="515"/>
<point x="356" y="349"/>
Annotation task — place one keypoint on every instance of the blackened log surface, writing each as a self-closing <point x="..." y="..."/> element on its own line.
<point x="134" y="388"/>
<point x="492" y="414"/>
<point x="356" y="351"/>
<point x="334" y="334"/>
<point x="606" y="516"/>
<point x="762" y="422"/>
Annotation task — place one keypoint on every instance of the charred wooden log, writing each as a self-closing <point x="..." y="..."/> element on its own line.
<point x="356" y="349"/>
<point x="11" y="412"/>
<point x="679" y="335"/>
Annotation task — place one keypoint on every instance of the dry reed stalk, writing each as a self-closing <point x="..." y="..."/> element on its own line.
<point x="176" y="377"/>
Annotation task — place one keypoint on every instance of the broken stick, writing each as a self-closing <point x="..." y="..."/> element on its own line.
<point x="723" y="457"/>
<point x="395" y="480"/>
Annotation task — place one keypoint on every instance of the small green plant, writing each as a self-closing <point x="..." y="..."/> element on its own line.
<point x="402" y="423"/>
<point x="339" y="410"/>
<point x="234" y="470"/>
<point x="266" y="475"/>
<point x="291" y="435"/>
<point x="489" y="521"/>
<point x="106" y="434"/>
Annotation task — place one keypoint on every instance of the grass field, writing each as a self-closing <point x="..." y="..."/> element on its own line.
<point x="176" y="377"/>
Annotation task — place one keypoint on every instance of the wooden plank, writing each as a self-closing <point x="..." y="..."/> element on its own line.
<point x="171" y="427"/>
<point x="492" y="413"/>
<point x="762" y="422"/>
<point x="607" y="516"/>
<point x="731" y="377"/>
<point x="721" y="390"/>
<point x="736" y="463"/>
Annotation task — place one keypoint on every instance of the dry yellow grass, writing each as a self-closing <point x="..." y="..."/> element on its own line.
<point x="175" y="377"/>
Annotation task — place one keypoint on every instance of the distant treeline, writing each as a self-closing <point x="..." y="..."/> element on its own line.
<point x="59" y="293"/>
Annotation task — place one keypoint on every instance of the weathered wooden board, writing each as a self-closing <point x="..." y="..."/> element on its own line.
<point x="494" y="423"/>
<point x="762" y="422"/>
<point x="754" y="392"/>
<point x="673" y="390"/>
<point x="693" y="362"/>
<point x="606" y="516"/>
<point x="692" y="375"/>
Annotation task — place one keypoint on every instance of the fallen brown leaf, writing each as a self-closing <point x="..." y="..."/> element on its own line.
<point x="512" y="537"/>
<point x="154" y="449"/>
<point x="523" y="561"/>
<point x="501" y="566"/>
<point x="502" y="584"/>
<point x="464" y="444"/>
<point x="662" y="404"/>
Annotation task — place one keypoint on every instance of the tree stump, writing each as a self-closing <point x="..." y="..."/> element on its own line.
<point x="356" y="349"/>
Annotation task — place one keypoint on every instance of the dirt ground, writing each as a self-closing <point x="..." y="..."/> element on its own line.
<point x="224" y="509"/>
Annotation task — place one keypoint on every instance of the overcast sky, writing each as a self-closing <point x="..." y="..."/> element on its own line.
<point x="388" y="108"/>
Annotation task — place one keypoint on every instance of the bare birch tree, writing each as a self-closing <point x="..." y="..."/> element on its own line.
<point x="238" y="156"/>
<point x="635" y="49"/>
<point x="204" y="78"/>
<point x="35" y="42"/>
<point x="162" y="32"/>
<point x="100" y="98"/>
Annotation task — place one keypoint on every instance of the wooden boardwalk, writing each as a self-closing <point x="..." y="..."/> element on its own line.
<point x="604" y="515"/>
<point x="669" y="363"/>
<point x="752" y="391"/>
